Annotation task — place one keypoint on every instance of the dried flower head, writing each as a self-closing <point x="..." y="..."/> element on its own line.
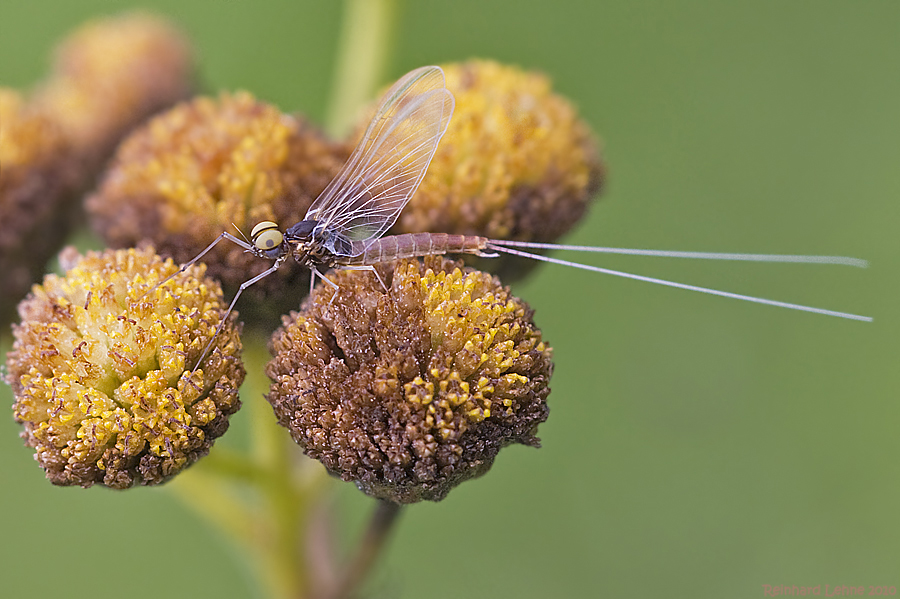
<point x="206" y="165"/>
<point x="101" y="370"/>
<point x="516" y="162"/>
<point x="410" y="392"/>
<point x="37" y="174"/>
<point x="112" y="73"/>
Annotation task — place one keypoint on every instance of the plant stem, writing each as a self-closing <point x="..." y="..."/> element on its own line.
<point x="284" y="503"/>
<point x="257" y="496"/>
<point x="380" y="526"/>
<point x="365" y="43"/>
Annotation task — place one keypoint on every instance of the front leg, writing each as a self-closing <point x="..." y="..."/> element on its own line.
<point x="186" y="265"/>
<point x="234" y="300"/>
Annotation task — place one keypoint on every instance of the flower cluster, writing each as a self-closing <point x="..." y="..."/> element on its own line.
<point x="111" y="74"/>
<point x="406" y="383"/>
<point x="410" y="392"/>
<point x="101" y="369"/>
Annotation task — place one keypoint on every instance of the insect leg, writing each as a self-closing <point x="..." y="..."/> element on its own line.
<point x="324" y="278"/>
<point x="368" y="267"/>
<point x="315" y="272"/>
<point x="240" y="290"/>
<point x="224" y="235"/>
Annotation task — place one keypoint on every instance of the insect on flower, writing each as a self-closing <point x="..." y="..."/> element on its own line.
<point x="344" y="226"/>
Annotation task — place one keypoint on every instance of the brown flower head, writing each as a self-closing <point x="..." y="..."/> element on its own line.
<point x="193" y="172"/>
<point x="111" y="74"/>
<point x="516" y="161"/>
<point x="101" y="370"/>
<point x="410" y="392"/>
<point x="37" y="175"/>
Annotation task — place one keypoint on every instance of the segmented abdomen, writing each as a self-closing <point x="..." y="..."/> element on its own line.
<point x="411" y="245"/>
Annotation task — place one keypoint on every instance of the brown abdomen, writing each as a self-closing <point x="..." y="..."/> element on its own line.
<point x="411" y="245"/>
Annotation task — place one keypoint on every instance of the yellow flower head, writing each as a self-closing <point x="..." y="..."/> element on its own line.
<point x="101" y="370"/>
<point x="28" y="136"/>
<point x="112" y="73"/>
<point x="410" y="392"/>
<point x="109" y="75"/>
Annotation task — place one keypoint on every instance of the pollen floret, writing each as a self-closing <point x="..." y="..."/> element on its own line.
<point x="516" y="162"/>
<point x="101" y="369"/>
<point x="410" y="392"/>
<point x="37" y="174"/>
<point x="112" y="73"/>
<point x="209" y="165"/>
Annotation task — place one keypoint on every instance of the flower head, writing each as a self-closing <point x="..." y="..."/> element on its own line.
<point x="37" y="174"/>
<point x="101" y="370"/>
<point x="109" y="75"/>
<point x="112" y="73"/>
<point x="196" y="170"/>
<point x="410" y="392"/>
<point x="516" y="161"/>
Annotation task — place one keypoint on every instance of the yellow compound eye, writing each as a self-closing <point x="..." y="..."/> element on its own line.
<point x="269" y="239"/>
<point x="266" y="235"/>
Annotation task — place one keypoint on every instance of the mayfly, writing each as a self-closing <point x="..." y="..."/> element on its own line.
<point x="343" y="228"/>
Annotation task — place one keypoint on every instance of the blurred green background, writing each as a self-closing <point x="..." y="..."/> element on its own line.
<point x="697" y="446"/>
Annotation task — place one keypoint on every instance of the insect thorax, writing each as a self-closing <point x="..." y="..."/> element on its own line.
<point x="313" y="244"/>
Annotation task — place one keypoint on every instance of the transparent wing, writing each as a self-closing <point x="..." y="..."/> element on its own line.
<point x="385" y="169"/>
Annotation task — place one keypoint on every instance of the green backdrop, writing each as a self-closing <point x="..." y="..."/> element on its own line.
<point x="697" y="446"/>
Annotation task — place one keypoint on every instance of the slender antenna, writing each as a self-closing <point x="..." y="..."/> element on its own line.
<point x="749" y="298"/>
<point x="792" y="258"/>
<point x="241" y="233"/>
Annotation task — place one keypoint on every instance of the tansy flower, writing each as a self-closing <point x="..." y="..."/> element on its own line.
<point x="37" y="175"/>
<point x="101" y="369"/>
<point x="111" y="74"/>
<point x="410" y="392"/>
<point x="516" y="162"/>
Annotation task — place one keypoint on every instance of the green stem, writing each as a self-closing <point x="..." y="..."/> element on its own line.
<point x="364" y="46"/>
<point x="267" y="446"/>
<point x="259" y="498"/>
<point x="380" y="526"/>
<point x="230" y="464"/>
<point x="270" y="449"/>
